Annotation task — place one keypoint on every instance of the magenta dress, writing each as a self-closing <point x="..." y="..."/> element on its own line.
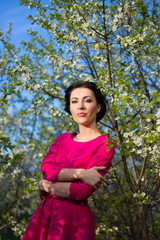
<point x="58" y="218"/>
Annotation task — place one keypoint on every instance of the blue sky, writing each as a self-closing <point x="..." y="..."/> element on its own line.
<point x="11" y="11"/>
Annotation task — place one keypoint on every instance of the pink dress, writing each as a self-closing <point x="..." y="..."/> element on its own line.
<point x="59" y="218"/>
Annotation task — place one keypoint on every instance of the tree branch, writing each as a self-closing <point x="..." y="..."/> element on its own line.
<point x="134" y="169"/>
<point x="142" y="170"/>
<point x="142" y="80"/>
<point x="107" y="45"/>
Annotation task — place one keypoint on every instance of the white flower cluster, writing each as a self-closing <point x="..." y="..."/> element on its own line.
<point x="115" y="229"/>
<point x="15" y="172"/>
<point x="101" y="228"/>
<point x="112" y="170"/>
<point x="120" y="18"/>
<point x="9" y="174"/>
<point x="32" y="184"/>
<point x="143" y="194"/>
<point x="104" y="228"/>
<point x="16" y="227"/>
<point x="4" y="120"/>
<point x="157" y="116"/>
<point x="55" y="112"/>
<point x="145" y="134"/>
<point x="2" y="175"/>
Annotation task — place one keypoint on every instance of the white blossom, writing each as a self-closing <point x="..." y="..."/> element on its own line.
<point x="158" y="128"/>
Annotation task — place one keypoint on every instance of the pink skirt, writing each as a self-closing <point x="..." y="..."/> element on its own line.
<point x="61" y="219"/>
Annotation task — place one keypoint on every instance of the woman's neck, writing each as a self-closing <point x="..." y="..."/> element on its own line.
<point x="88" y="132"/>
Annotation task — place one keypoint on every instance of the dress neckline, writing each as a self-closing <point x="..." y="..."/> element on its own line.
<point x="74" y="133"/>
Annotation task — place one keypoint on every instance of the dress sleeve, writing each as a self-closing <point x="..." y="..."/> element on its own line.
<point x="48" y="167"/>
<point x="102" y="157"/>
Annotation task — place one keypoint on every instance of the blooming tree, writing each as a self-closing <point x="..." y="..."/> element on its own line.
<point x="112" y="43"/>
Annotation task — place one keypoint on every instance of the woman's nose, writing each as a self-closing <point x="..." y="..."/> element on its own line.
<point x="80" y="105"/>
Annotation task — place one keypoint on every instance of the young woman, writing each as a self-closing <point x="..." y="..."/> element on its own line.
<point x="72" y="170"/>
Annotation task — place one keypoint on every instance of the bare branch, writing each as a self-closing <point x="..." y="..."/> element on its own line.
<point x="142" y="170"/>
<point x="142" y="80"/>
<point x="134" y="169"/>
<point x="5" y="225"/>
<point x="106" y="125"/>
<point x="91" y="62"/>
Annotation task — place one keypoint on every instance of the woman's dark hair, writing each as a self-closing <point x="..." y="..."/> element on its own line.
<point x="98" y="95"/>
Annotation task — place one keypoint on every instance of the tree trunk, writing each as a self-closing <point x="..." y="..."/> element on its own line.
<point x="143" y="224"/>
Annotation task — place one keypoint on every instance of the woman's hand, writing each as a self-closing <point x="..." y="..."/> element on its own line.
<point x="93" y="178"/>
<point x="60" y="189"/>
<point x="45" y="187"/>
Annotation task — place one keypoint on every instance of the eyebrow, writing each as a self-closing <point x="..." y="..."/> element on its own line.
<point x="83" y="97"/>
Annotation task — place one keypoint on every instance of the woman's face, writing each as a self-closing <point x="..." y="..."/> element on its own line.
<point x="83" y="106"/>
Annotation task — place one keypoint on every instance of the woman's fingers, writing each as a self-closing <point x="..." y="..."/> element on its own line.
<point x="102" y="178"/>
<point x="98" y="184"/>
<point x="105" y="180"/>
<point x="41" y="184"/>
<point x="44" y="185"/>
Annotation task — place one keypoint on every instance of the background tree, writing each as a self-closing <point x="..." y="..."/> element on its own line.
<point x="115" y="44"/>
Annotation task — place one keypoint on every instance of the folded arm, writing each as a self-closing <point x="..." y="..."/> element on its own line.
<point x="52" y="172"/>
<point x="78" y="190"/>
<point x="75" y="184"/>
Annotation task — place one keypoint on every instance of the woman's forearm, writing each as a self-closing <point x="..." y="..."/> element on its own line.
<point x="67" y="175"/>
<point x="61" y="189"/>
<point x="69" y="190"/>
<point x="79" y="191"/>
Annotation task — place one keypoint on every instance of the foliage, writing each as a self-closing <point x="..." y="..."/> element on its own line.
<point x="115" y="44"/>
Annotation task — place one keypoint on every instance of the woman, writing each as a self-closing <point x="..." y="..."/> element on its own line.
<point x="72" y="170"/>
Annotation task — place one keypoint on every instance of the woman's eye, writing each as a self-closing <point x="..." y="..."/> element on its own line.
<point x="88" y="100"/>
<point x="74" y="101"/>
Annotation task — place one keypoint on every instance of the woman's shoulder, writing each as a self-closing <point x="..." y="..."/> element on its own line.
<point x="64" y="136"/>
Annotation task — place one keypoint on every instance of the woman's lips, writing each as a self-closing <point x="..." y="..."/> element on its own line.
<point x="81" y="114"/>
